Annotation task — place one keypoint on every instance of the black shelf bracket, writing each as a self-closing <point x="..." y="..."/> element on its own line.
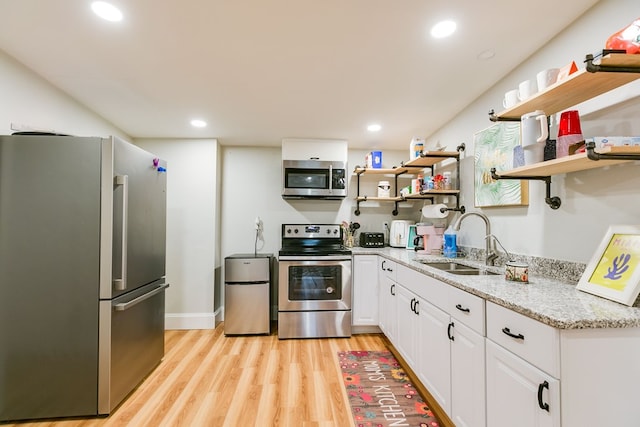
<point x="494" y="118"/>
<point x="597" y="68"/>
<point x="553" y="202"/>
<point x="592" y="155"/>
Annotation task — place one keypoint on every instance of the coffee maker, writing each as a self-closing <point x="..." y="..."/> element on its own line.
<point x="429" y="238"/>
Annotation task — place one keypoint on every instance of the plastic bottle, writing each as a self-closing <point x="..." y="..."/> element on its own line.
<point x="450" y="248"/>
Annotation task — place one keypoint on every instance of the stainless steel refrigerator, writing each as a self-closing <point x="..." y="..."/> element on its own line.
<point x="82" y="266"/>
<point x="247" y="291"/>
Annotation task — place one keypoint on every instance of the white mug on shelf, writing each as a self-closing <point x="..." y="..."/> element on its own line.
<point x="510" y="98"/>
<point x="526" y="89"/>
<point x="546" y="78"/>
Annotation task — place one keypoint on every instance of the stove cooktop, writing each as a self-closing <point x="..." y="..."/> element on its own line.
<point x="312" y="240"/>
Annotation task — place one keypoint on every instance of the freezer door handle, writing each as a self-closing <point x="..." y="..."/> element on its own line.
<point x="120" y="283"/>
<point x="127" y="305"/>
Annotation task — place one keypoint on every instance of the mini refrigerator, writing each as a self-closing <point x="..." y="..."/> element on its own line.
<point x="247" y="291"/>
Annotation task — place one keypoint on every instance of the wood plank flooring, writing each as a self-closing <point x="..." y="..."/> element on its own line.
<point x="207" y="379"/>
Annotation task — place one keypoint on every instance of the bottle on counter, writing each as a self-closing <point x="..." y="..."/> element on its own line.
<point x="450" y="248"/>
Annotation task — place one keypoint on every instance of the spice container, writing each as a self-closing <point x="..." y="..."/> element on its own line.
<point x="384" y="189"/>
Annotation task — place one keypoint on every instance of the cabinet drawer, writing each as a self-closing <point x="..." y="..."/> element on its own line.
<point x="467" y="308"/>
<point x="426" y="287"/>
<point x="533" y="341"/>
<point x="387" y="268"/>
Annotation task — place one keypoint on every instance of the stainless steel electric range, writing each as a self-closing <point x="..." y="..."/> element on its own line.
<point x="314" y="291"/>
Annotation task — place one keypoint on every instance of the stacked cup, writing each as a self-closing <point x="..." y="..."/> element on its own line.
<point x="569" y="132"/>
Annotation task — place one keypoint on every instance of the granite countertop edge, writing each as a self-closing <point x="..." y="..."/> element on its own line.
<point x="552" y="302"/>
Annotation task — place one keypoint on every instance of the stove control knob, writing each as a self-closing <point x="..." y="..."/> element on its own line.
<point x="295" y="230"/>
<point x="288" y="231"/>
<point x="328" y="231"/>
<point x="335" y="231"/>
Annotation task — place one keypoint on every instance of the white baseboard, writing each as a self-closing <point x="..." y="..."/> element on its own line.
<point x="190" y="321"/>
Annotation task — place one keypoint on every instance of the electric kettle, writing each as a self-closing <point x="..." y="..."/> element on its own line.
<point x="534" y="128"/>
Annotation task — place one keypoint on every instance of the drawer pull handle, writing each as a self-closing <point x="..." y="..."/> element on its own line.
<point x="461" y="308"/>
<point x="393" y="289"/>
<point x="542" y="404"/>
<point x="451" y="337"/>
<point x="506" y="331"/>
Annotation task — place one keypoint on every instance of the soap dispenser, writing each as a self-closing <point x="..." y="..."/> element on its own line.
<point x="450" y="248"/>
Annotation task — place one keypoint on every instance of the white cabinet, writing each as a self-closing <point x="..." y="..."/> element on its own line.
<point x="387" y="315"/>
<point x="538" y="375"/>
<point x="518" y="393"/>
<point x="364" y="310"/>
<point x="407" y="331"/>
<point x="441" y="336"/>
<point x="467" y="377"/>
<point x="452" y="359"/>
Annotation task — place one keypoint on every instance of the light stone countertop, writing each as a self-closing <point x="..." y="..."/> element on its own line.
<point x="553" y="302"/>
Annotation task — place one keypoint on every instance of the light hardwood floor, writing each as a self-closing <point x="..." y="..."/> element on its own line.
<point x="207" y="379"/>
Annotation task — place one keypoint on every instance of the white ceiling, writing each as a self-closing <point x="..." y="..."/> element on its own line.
<point x="261" y="70"/>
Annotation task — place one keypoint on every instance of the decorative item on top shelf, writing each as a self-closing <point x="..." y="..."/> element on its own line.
<point x="627" y="39"/>
<point x="494" y="148"/>
<point x="613" y="271"/>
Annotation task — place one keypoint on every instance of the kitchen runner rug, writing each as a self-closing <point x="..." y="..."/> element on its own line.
<point x="380" y="393"/>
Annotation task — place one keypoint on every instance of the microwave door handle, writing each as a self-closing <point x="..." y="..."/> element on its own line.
<point x="330" y="178"/>
<point x="120" y="283"/>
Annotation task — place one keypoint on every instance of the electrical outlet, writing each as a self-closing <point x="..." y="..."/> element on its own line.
<point x="385" y="226"/>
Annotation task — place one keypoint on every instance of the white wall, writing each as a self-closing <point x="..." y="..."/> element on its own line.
<point x="192" y="229"/>
<point x="29" y="100"/>
<point x="591" y="200"/>
<point x="252" y="186"/>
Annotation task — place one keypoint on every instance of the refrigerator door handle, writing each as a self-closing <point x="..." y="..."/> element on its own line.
<point x="127" y="305"/>
<point x="120" y="283"/>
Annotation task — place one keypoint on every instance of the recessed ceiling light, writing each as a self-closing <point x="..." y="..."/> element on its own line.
<point x="106" y="11"/>
<point x="443" y="29"/>
<point x="196" y="123"/>
<point x="374" y="127"/>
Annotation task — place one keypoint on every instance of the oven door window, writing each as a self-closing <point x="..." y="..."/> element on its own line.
<point x="307" y="178"/>
<point x="315" y="283"/>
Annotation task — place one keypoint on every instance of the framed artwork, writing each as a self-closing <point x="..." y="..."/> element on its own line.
<point x="494" y="147"/>
<point x="613" y="271"/>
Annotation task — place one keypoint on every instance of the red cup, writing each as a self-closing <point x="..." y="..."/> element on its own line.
<point x="569" y="123"/>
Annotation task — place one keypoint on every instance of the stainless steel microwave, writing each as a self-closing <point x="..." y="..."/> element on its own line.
<point x="314" y="179"/>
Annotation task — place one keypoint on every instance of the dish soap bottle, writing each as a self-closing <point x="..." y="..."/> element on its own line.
<point x="450" y="248"/>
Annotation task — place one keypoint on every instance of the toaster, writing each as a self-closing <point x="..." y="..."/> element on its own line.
<point x="371" y="240"/>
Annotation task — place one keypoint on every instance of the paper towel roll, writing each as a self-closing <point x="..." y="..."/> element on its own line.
<point x="435" y="211"/>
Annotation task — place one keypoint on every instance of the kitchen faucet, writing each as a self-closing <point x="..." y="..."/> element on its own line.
<point x="491" y="253"/>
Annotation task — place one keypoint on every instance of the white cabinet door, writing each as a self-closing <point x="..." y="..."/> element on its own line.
<point x="387" y="308"/>
<point x="407" y="331"/>
<point x="434" y="354"/>
<point x="364" y="310"/>
<point x="518" y="393"/>
<point x="467" y="376"/>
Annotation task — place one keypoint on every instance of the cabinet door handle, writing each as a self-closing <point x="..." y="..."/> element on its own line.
<point x="506" y="331"/>
<point x="542" y="404"/>
<point x="416" y="307"/>
<point x="382" y="265"/>
<point x="411" y="304"/>
<point x="461" y="308"/>
<point x="393" y="289"/>
<point x="449" y="334"/>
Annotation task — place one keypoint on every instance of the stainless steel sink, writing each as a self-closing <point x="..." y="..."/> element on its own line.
<point x="456" y="268"/>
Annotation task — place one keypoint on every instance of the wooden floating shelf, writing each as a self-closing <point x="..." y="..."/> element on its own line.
<point x="430" y="158"/>
<point x="572" y="163"/>
<point x="393" y="171"/>
<point x="578" y="87"/>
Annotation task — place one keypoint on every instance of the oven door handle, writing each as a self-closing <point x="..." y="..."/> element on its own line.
<point x="314" y="258"/>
